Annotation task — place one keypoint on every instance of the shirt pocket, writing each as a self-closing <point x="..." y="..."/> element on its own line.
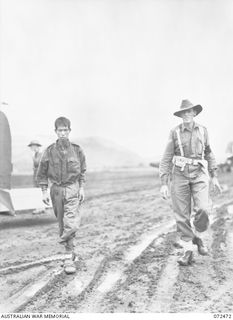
<point x="73" y="165"/>
<point x="54" y="167"/>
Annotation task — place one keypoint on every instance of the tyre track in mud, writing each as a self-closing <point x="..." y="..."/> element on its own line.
<point x="30" y="290"/>
<point x="147" y="282"/>
<point x="52" y="278"/>
<point x="161" y="296"/>
<point x="165" y="287"/>
<point x="73" y="285"/>
<point x="135" y="290"/>
<point x="200" y="287"/>
<point x="51" y="274"/>
<point x="173" y="274"/>
<point x="20" y="266"/>
<point x="33" y="290"/>
<point x="221" y="297"/>
<point x="42" y="273"/>
<point x="100" y="293"/>
<point x="115" y="273"/>
<point x="93" y="289"/>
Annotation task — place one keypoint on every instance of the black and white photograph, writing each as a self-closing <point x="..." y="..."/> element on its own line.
<point x="116" y="158"/>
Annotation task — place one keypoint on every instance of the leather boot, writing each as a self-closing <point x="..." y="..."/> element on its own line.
<point x="69" y="266"/>
<point x="186" y="259"/>
<point x="200" y="246"/>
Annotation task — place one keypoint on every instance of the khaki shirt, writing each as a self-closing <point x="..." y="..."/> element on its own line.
<point x="192" y="145"/>
<point x="36" y="160"/>
<point x="62" y="168"/>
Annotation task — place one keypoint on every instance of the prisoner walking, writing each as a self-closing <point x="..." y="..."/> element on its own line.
<point x="63" y="164"/>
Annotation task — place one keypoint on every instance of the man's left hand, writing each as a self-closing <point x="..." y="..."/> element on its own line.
<point x="216" y="185"/>
<point x="81" y="195"/>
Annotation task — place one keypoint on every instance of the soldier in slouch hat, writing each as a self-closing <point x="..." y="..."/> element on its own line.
<point x="189" y="163"/>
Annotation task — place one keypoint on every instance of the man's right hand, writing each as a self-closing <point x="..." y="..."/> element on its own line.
<point x="164" y="192"/>
<point x="45" y="197"/>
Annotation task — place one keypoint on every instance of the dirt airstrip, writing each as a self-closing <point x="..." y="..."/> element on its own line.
<point x="127" y="251"/>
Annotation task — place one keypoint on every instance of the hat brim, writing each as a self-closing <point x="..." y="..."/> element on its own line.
<point x="34" y="144"/>
<point x="198" y="109"/>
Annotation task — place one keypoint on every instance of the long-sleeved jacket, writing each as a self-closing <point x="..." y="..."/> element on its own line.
<point x="62" y="168"/>
<point x="192" y="145"/>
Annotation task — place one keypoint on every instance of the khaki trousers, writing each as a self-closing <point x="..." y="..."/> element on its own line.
<point x="66" y="207"/>
<point x="189" y="185"/>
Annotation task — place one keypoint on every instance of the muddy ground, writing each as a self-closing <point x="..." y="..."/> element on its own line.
<point x="127" y="253"/>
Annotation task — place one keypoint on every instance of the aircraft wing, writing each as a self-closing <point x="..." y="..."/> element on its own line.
<point x="22" y="198"/>
<point x="5" y="153"/>
<point x="12" y="200"/>
<point x="6" y="202"/>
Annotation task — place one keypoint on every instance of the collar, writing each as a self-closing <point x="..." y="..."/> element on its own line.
<point x="182" y="126"/>
<point x="59" y="147"/>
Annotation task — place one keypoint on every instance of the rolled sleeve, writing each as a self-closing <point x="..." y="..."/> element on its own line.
<point x="166" y="161"/>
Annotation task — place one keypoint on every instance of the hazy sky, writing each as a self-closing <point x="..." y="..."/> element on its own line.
<point x="118" y="69"/>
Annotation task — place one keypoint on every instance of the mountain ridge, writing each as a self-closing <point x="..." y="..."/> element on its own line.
<point x="101" y="153"/>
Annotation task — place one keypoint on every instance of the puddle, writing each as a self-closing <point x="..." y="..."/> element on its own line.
<point x="109" y="281"/>
<point x="224" y="187"/>
<point x="230" y="209"/>
<point x="78" y="285"/>
<point x="30" y="292"/>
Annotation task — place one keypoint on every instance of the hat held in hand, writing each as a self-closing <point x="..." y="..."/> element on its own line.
<point x="201" y="220"/>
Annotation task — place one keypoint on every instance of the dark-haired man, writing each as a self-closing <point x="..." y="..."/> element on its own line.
<point x="63" y="164"/>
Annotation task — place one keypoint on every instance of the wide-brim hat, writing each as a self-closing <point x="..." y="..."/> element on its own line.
<point x="186" y="105"/>
<point x="34" y="143"/>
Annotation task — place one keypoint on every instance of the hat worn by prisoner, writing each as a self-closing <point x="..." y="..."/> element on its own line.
<point x="186" y="105"/>
<point x="201" y="220"/>
<point x="34" y="143"/>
